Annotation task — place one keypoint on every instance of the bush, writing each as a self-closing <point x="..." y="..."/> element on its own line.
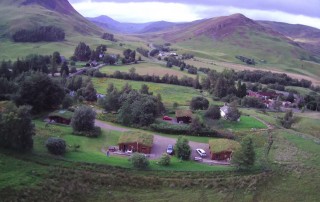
<point x="199" y="103"/>
<point x="164" y="160"/>
<point x="56" y="146"/>
<point x="83" y="119"/>
<point x="213" y="112"/>
<point x="139" y="161"/>
<point x="245" y="156"/>
<point x="252" y="102"/>
<point x="96" y="132"/>
<point x="182" y="148"/>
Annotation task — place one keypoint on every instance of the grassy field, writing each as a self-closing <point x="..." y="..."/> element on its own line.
<point x="170" y="93"/>
<point x="307" y="125"/>
<point x="91" y="150"/>
<point x="147" y="68"/>
<point x="246" y="123"/>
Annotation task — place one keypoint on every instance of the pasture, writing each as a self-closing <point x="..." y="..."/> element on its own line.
<point x="146" y="68"/>
<point x="169" y="93"/>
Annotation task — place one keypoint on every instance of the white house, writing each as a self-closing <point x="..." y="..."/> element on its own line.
<point x="224" y="111"/>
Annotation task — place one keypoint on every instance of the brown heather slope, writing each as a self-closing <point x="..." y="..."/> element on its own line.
<point x="26" y="14"/>
<point x="305" y="36"/>
<point x="219" y="28"/>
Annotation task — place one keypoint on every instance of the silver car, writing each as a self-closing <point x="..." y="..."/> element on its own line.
<point x="201" y="152"/>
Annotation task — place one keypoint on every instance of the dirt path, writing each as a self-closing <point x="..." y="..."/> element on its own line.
<point x="271" y="127"/>
<point x="107" y="126"/>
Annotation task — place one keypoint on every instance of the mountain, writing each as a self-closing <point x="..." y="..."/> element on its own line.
<point x="224" y="38"/>
<point x="131" y="28"/>
<point x="305" y="36"/>
<point x="26" y="14"/>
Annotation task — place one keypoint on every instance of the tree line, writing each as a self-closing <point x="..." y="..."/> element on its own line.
<point x="43" y="33"/>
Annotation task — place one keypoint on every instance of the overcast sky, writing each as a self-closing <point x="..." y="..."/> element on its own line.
<point x="291" y="11"/>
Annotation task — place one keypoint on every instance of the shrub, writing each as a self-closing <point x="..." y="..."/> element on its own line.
<point x="199" y="103"/>
<point x="252" y="102"/>
<point x="164" y="160"/>
<point x="182" y="148"/>
<point x="56" y="146"/>
<point x="287" y="120"/>
<point x="213" y="112"/>
<point x="139" y="161"/>
<point x="83" y="119"/>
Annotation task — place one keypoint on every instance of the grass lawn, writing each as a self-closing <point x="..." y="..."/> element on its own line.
<point x="17" y="173"/>
<point x="169" y="93"/>
<point x="147" y="68"/>
<point x="246" y="123"/>
<point x="307" y="125"/>
<point x="90" y="149"/>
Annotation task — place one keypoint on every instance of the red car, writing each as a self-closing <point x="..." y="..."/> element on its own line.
<point x="167" y="118"/>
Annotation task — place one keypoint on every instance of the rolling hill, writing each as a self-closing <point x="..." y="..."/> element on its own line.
<point x="223" y="38"/>
<point x="305" y="36"/>
<point x="26" y="14"/>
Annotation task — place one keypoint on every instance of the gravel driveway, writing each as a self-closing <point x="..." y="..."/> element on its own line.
<point x="160" y="143"/>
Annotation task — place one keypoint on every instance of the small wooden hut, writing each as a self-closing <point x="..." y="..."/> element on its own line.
<point x="184" y="116"/>
<point x="61" y="116"/>
<point x="221" y="149"/>
<point x="136" y="142"/>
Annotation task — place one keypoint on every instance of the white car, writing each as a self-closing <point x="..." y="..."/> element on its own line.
<point x="201" y="152"/>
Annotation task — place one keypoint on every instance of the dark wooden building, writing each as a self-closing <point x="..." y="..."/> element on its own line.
<point x="136" y="142"/>
<point x="184" y="116"/>
<point x="222" y="149"/>
<point x="61" y="116"/>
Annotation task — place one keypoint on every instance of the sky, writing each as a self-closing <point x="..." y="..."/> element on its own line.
<point x="305" y="12"/>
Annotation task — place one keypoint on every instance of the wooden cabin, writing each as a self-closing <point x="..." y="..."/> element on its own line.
<point x="221" y="149"/>
<point x="136" y="142"/>
<point x="184" y="116"/>
<point x="61" y="116"/>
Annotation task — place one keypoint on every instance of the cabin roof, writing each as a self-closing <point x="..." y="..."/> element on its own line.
<point x="219" y="145"/>
<point x="141" y="138"/>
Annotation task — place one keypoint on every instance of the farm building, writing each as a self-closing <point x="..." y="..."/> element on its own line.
<point x="61" y="116"/>
<point x="221" y="149"/>
<point x="136" y="142"/>
<point x="184" y="116"/>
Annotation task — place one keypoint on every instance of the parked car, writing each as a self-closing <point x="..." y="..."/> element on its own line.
<point x="170" y="149"/>
<point x="167" y="118"/>
<point x="112" y="149"/>
<point x="201" y="152"/>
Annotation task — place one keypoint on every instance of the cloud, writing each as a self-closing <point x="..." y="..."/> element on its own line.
<point x="147" y="11"/>
<point x="308" y="8"/>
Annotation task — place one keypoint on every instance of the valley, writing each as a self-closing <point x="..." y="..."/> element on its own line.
<point x="89" y="118"/>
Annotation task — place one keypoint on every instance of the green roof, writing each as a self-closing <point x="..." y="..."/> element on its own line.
<point x="219" y="145"/>
<point x="182" y="113"/>
<point x="141" y="138"/>
<point x="62" y="113"/>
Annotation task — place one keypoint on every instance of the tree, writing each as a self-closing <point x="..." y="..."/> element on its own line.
<point x="56" y="58"/>
<point x="195" y="126"/>
<point x="182" y="148"/>
<point x="287" y="120"/>
<point x="39" y="91"/>
<point x="290" y="97"/>
<point x="220" y="89"/>
<point x="199" y="103"/>
<point x="67" y="102"/>
<point x="64" y="71"/>
<point x="16" y="128"/>
<point x="213" y="112"/>
<point x="82" y="52"/>
<point x="241" y="89"/>
<point x="164" y="160"/>
<point x="244" y="157"/>
<point x="144" y="89"/>
<point x="83" y="119"/>
<point x="90" y="93"/>
<point x="233" y="113"/>
<point x="56" y="146"/>
<point x="139" y="161"/>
